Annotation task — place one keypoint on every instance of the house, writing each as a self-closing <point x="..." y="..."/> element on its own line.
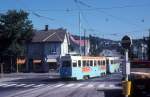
<point x="46" y="48"/>
<point x="140" y="51"/>
<point x="77" y="44"/>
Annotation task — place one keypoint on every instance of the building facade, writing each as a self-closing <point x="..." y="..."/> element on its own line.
<point x="45" y="50"/>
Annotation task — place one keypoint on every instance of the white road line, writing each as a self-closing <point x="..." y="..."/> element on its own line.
<point x="9" y="85"/>
<point x="20" y="85"/>
<point x="101" y="86"/>
<point x="59" y="85"/>
<point x="112" y="85"/>
<point x="79" y="85"/>
<point x="3" y="84"/>
<point x="69" y="85"/>
<point x="89" y="86"/>
<point x="29" y="85"/>
<point x="40" y="85"/>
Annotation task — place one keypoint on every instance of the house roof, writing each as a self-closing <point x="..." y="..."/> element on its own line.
<point x="53" y="35"/>
<point x="79" y="42"/>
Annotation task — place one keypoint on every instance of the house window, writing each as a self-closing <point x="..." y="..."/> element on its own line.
<point x="53" y="49"/>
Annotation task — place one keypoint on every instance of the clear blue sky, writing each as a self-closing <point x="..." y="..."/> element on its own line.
<point x="110" y="19"/>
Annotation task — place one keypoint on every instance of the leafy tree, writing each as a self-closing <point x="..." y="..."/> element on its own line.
<point x="15" y="30"/>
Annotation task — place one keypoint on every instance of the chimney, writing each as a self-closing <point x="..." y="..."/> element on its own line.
<point x="46" y="27"/>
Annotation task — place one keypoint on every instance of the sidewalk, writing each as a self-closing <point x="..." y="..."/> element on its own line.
<point x="15" y="76"/>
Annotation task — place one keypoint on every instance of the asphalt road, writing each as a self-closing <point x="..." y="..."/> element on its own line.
<point x="108" y="86"/>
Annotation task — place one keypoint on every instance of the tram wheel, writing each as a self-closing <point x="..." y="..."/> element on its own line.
<point x="86" y="77"/>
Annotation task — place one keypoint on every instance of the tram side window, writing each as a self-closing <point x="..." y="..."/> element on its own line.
<point x="99" y="63"/>
<point x="66" y="64"/>
<point x="74" y="64"/>
<point x="107" y="61"/>
<point x="87" y="62"/>
<point x="103" y="62"/>
<point x="91" y="63"/>
<point x="94" y="63"/>
<point x="84" y="63"/>
<point x="115" y="61"/>
<point x="111" y="61"/>
<point x="79" y="63"/>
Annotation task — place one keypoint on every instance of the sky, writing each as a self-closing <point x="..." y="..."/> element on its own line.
<point x="110" y="19"/>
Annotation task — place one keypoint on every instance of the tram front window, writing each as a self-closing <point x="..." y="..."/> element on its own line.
<point x="66" y="64"/>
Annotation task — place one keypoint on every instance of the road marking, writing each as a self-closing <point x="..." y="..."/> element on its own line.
<point x="40" y="85"/>
<point x="89" y="86"/>
<point x="3" y="84"/>
<point x="112" y="85"/>
<point x="79" y="85"/>
<point x="69" y="85"/>
<point x="20" y="85"/>
<point x="101" y="85"/>
<point x="59" y="85"/>
<point x="29" y="85"/>
<point x="10" y="85"/>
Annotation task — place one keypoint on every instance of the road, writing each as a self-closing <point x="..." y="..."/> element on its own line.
<point x="108" y="86"/>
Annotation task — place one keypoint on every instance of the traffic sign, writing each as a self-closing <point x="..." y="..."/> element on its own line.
<point x="126" y="68"/>
<point x="126" y="42"/>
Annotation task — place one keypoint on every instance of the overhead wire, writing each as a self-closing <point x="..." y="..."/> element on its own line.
<point x="84" y="18"/>
<point x="89" y="8"/>
<point x="110" y="15"/>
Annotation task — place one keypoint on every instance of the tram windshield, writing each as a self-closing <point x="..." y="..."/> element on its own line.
<point x="66" y="64"/>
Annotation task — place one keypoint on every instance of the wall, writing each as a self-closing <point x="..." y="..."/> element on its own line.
<point x="64" y="47"/>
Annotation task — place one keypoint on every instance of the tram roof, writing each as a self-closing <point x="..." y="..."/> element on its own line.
<point x="83" y="57"/>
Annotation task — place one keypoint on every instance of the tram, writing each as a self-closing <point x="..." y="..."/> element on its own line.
<point x="84" y="67"/>
<point x="113" y="64"/>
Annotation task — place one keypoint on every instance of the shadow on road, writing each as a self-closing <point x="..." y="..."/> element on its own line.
<point x="113" y="93"/>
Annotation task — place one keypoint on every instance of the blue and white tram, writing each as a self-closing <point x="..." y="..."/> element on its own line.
<point x="113" y="64"/>
<point x="82" y="67"/>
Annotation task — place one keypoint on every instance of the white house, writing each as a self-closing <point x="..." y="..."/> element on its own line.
<point x="46" y="48"/>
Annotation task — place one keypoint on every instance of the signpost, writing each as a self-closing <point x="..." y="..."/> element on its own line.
<point x="126" y="43"/>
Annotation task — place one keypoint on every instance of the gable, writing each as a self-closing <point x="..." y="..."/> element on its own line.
<point x="56" y="35"/>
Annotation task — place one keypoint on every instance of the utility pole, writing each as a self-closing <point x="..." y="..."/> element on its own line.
<point x="84" y="41"/>
<point x="148" y="44"/>
<point x="80" y="32"/>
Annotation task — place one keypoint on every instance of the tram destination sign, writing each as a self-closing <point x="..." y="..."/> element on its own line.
<point x="126" y="42"/>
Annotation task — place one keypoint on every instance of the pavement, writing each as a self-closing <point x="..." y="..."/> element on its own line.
<point x="50" y="85"/>
<point x="17" y="76"/>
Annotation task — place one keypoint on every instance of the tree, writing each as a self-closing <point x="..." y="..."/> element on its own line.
<point x="15" y="30"/>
